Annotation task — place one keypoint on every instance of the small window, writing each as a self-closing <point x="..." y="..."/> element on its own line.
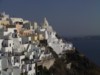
<point x="29" y="41"/>
<point x="15" y="31"/>
<point x="10" y="44"/>
<point x="20" y="42"/>
<point x="30" y="68"/>
<point x="17" y="60"/>
<point x="15" y="35"/>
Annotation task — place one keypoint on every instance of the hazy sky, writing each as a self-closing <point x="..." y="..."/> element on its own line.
<point x="68" y="17"/>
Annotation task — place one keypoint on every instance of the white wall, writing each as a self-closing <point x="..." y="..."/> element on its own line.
<point x="32" y="72"/>
<point x="12" y="60"/>
<point x="8" y="49"/>
<point x="1" y="40"/>
<point x="16" y="71"/>
<point x="10" y="30"/>
<point x="16" y="20"/>
<point x="29" y="38"/>
<point x="0" y="64"/>
<point x="21" y="57"/>
<point x="10" y="43"/>
<point x="3" y="63"/>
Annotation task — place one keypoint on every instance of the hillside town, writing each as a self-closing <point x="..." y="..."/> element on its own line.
<point x="23" y="44"/>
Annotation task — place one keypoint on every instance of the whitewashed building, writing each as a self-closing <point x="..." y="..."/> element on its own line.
<point x="19" y="53"/>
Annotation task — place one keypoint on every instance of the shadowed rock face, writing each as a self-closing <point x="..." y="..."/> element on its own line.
<point x="71" y="63"/>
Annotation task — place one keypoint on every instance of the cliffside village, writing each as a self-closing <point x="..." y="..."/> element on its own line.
<point x="20" y="46"/>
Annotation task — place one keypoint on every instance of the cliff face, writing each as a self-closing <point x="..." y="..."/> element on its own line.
<point x="71" y="63"/>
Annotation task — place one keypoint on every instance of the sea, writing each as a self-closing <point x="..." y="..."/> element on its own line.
<point x="89" y="47"/>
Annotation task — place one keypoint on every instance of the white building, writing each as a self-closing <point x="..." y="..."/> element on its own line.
<point x="18" y="54"/>
<point x="9" y="30"/>
<point x="3" y="63"/>
<point x="14" y="20"/>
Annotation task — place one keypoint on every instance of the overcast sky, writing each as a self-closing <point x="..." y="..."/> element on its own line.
<point x="68" y="17"/>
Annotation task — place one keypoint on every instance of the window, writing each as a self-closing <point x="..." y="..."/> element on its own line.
<point x="15" y="31"/>
<point x="15" y="35"/>
<point x="10" y="44"/>
<point x="30" y="68"/>
<point x="20" y="42"/>
<point x="29" y="41"/>
<point x="20" y="23"/>
<point x="4" y="44"/>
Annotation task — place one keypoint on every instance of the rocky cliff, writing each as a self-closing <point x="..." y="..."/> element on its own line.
<point x="70" y="63"/>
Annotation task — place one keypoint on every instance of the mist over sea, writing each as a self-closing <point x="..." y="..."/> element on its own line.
<point x="89" y="47"/>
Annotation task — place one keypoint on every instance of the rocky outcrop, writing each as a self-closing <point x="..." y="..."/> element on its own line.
<point x="71" y="63"/>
